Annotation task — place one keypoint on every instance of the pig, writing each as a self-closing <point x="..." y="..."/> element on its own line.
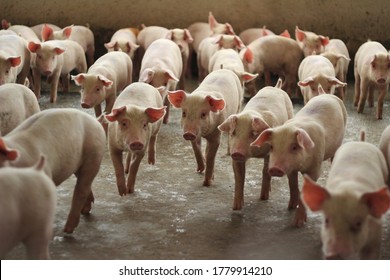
<point x="38" y="29"/>
<point x="77" y="33"/>
<point x="79" y="153"/>
<point x="384" y="146"/>
<point x="28" y="201"/>
<point x="216" y="98"/>
<point x="352" y="202"/>
<point x="161" y="67"/>
<point x="149" y="34"/>
<point x="25" y="32"/>
<point x="230" y="59"/>
<point x="270" y="107"/>
<point x="14" y="59"/>
<point x="274" y="54"/>
<point x="337" y="52"/>
<point x="316" y="70"/>
<point x="211" y="45"/>
<point x="371" y="70"/>
<point x="133" y="126"/>
<point x="302" y="143"/>
<point x="17" y="103"/>
<point x="55" y="59"/>
<point x="124" y="40"/>
<point x="108" y="76"/>
<point x="310" y="42"/>
<point x="249" y="35"/>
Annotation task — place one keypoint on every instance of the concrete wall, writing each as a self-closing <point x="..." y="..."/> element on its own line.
<point x="353" y="21"/>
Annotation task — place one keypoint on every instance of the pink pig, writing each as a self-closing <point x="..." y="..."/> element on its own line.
<point x="27" y="210"/>
<point x="270" y="107"/>
<point x="162" y="67"/>
<point x="352" y="202"/>
<point x="134" y="124"/>
<point x="310" y="42"/>
<point x="123" y="40"/>
<point x="108" y="76"/>
<point x="302" y="143"/>
<point x="17" y="103"/>
<point x="372" y="70"/>
<point x="217" y="97"/>
<point x="249" y="35"/>
<point x="25" y="32"/>
<point x="56" y="59"/>
<point x="316" y="70"/>
<point x="77" y="33"/>
<point x="14" y="59"/>
<point x="72" y="141"/>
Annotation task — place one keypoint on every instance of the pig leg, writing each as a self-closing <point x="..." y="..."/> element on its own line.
<point x="65" y="83"/>
<point x="127" y="166"/>
<point x="98" y="110"/>
<point x="88" y="204"/>
<point x="168" y="106"/>
<point x="152" y="150"/>
<point x="267" y="78"/>
<point x="356" y="97"/>
<point x="54" y="87"/>
<point x="213" y="142"/>
<point x="136" y="159"/>
<point x="196" y="147"/>
<point x="37" y="246"/>
<point x="239" y="179"/>
<point x="117" y="160"/>
<point x="363" y="95"/>
<point x="266" y="181"/>
<point x="294" y="190"/>
<point x="371" y="96"/>
<point x="37" y="83"/>
<point x="382" y="92"/>
<point x="300" y="215"/>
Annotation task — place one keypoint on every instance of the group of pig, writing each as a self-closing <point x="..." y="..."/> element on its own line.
<point x="31" y="150"/>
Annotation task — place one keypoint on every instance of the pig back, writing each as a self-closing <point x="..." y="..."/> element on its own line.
<point x="139" y="94"/>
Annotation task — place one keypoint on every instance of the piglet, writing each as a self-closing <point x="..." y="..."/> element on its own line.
<point x="304" y="142"/>
<point x="270" y="107"/>
<point x="27" y="210"/>
<point x="72" y="141"/>
<point x="317" y="70"/>
<point x="17" y="103"/>
<point x="310" y="42"/>
<point x="123" y="40"/>
<point x="109" y="75"/>
<point x="216" y="98"/>
<point x="249" y="35"/>
<point x="352" y="202"/>
<point x="133" y="126"/>
<point x="56" y="59"/>
<point x="372" y="70"/>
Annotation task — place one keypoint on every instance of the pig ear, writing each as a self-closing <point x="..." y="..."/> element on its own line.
<point x="15" y="61"/>
<point x="264" y="137"/>
<point x="216" y="104"/>
<point x="41" y="163"/>
<point x="229" y="124"/>
<point x="115" y="113"/>
<point x="304" y="140"/>
<point x="212" y="21"/>
<point x="306" y="82"/>
<point x="313" y="195"/>
<point x="147" y="76"/>
<point x="229" y="29"/>
<point x="110" y="45"/>
<point x="248" y="56"/>
<point x="67" y="31"/>
<point x="324" y="40"/>
<point x="336" y="82"/>
<point x="285" y="34"/>
<point x="106" y="82"/>
<point x="46" y="33"/>
<point x="170" y="76"/>
<point x="240" y="45"/>
<point x="377" y="202"/>
<point x="187" y="36"/>
<point x="155" y="114"/>
<point x="299" y="34"/>
<point x="33" y="47"/>
<point x="132" y="46"/>
<point x="247" y="77"/>
<point x="78" y="79"/>
<point x="10" y="154"/>
<point x="58" y="51"/>
<point x="279" y="83"/>
<point x="176" y="98"/>
<point x="259" y="125"/>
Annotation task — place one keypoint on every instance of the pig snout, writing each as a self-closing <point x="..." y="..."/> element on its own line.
<point x="136" y="146"/>
<point x="237" y="156"/>
<point x="85" y="105"/>
<point x="47" y="72"/>
<point x="276" y="172"/>
<point x="381" y="81"/>
<point x="189" y="136"/>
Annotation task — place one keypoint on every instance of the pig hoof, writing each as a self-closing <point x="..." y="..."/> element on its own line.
<point x="207" y="183"/>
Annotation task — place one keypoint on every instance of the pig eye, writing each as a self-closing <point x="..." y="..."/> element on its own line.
<point x="356" y="227"/>
<point x="271" y="148"/>
<point x="374" y="65"/>
<point x="39" y="56"/>
<point x="294" y="147"/>
<point x="145" y="125"/>
<point x="326" y="221"/>
<point x="7" y="72"/>
<point x="203" y="116"/>
<point x="234" y="132"/>
<point x="184" y="114"/>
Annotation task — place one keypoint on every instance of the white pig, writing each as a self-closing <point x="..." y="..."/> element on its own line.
<point x="17" y="103"/>
<point x="134" y="124"/>
<point x="270" y="107"/>
<point x="108" y="76"/>
<point x="77" y="33"/>
<point x="56" y="59"/>
<point x="216" y="98"/>
<point x="352" y="202"/>
<point x="14" y="59"/>
<point x="337" y="52"/>
<point x="72" y="141"/>
<point x="310" y="42"/>
<point x="27" y="210"/>
<point x="316" y="70"/>
<point x="249" y="35"/>
<point x="25" y="32"/>
<point x="149" y="34"/>
<point x="302" y="143"/>
<point x="162" y="66"/>
<point x="274" y="54"/>
<point x="384" y="146"/>
<point x="124" y="40"/>
<point x="371" y="70"/>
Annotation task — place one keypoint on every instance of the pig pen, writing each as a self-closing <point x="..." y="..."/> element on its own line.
<point x="172" y="216"/>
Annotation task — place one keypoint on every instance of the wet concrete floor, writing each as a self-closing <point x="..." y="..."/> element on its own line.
<point x="172" y="216"/>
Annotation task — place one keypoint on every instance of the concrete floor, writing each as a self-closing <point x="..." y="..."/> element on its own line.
<point x="172" y="216"/>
